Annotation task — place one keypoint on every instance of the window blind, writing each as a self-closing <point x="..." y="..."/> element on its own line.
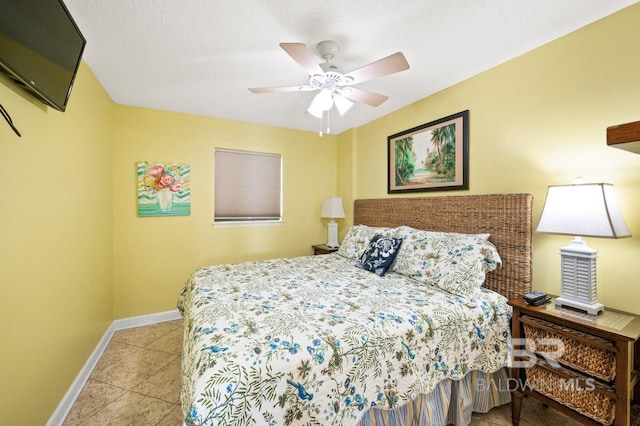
<point x="247" y="186"/>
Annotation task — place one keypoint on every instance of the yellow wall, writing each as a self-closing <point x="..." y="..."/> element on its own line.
<point x="347" y="143"/>
<point x="56" y="245"/>
<point x="75" y="256"/>
<point x="541" y="120"/>
<point x="153" y="256"/>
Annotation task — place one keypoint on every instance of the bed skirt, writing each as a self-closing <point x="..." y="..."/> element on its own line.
<point x="451" y="402"/>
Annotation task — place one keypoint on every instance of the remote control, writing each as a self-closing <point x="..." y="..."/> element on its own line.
<point x="539" y="302"/>
<point x="534" y="296"/>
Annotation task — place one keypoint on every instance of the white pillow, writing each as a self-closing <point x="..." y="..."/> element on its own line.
<point x="357" y="240"/>
<point x="451" y="261"/>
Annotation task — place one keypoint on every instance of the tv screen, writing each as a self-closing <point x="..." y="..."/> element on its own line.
<point x="40" y="48"/>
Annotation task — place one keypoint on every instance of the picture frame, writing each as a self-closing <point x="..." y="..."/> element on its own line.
<point x="431" y="157"/>
<point x="163" y="189"/>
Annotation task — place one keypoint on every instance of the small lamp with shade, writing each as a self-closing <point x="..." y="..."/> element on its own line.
<point x="332" y="209"/>
<point x="581" y="210"/>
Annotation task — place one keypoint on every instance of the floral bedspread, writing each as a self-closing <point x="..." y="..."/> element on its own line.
<point x="316" y="341"/>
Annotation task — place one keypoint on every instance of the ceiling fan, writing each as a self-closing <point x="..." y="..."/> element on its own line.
<point x="334" y="86"/>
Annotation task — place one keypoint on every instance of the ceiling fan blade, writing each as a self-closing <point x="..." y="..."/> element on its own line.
<point x="364" y="96"/>
<point x="280" y="89"/>
<point x="303" y="56"/>
<point x="385" y="66"/>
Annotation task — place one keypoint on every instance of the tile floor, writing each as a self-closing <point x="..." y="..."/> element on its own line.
<point x="137" y="382"/>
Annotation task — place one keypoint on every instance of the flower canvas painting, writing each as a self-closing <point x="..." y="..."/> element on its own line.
<point x="163" y="189"/>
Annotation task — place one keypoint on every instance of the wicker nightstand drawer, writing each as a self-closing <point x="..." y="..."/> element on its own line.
<point x="583" y="394"/>
<point x="589" y="354"/>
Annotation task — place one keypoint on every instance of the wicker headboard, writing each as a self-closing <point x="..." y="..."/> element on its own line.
<point x="507" y="217"/>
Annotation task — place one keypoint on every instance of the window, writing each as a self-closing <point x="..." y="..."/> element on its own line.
<point x="248" y="186"/>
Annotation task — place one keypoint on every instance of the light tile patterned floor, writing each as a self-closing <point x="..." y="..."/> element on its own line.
<point x="137" y="382"/>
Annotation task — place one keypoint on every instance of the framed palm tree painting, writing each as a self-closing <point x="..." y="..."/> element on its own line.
<point x="430" y="157"/>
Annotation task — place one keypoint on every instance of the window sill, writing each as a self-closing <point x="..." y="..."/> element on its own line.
<point x="248" y="224"/>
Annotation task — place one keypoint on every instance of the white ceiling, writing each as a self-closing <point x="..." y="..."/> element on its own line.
<point x="201" y="56"/>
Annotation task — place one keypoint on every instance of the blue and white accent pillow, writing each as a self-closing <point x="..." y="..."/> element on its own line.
<point x="358" y="238"/>
<point x="380" y="253"/>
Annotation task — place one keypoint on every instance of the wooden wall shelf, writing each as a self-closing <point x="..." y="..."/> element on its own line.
<point x="625" y="136"/>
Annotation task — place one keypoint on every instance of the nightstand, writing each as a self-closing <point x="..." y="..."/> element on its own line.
<point x="323" y="249"/>
<point x="582" y="365"/>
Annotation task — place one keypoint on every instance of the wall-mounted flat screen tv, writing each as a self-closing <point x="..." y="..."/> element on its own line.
<point x="40" y="48"/>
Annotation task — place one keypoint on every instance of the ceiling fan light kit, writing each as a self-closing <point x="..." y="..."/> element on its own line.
<point x="334" y="86"/>
<point x="342" y="104"/>
<point x="322" y="102"/>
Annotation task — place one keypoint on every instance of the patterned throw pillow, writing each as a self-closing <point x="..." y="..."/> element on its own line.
<point x="379" y="256"/>
<point x="357" y="240"/>
<point x="453" y="262"/>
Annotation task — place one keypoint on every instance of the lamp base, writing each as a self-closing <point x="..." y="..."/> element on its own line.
<point x="591" y="308"/>
<point x="578" y="278"/>
<point x="332" y="235"/>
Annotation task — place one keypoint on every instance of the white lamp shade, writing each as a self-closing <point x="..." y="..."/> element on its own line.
<point x="323" y="101"/>
<point x="315" y="110"/>
<point x="343" y="104"/>
<point x="332" y="208"/>
<point x="586" y="210"/>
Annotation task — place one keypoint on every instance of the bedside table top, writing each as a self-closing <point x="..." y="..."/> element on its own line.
<point x="610" y="321"/>
<point x="325" y="247"/>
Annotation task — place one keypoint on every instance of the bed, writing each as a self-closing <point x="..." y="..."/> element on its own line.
<point x="317" y="340"/>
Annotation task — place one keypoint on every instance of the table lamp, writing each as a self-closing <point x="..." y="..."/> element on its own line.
<point x="332" y="209"/>
<point x="581" y="210"/>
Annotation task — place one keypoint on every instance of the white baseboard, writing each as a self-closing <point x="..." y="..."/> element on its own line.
<point x="122" y="324"/>
<point x="61" y="412"/>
